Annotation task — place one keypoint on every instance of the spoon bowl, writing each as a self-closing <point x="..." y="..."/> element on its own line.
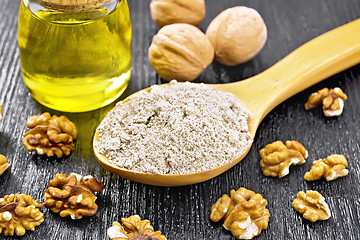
<point x="311" y="63"/>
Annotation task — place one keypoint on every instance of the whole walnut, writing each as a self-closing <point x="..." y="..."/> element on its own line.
<point x="165" y="12"/>
<point x="180" y="51"/>
<point x="237" y="35"/>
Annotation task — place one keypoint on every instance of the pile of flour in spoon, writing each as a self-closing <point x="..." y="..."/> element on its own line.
<point x="176" y="129"/>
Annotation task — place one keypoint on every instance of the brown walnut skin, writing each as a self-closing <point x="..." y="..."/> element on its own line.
<point x="220" y="208"/>
<point x="134" y="229"/>
<point x="50" y="135"/>
<point x="62" y="122"/>
<point x="332" y="101"/>
<point x="237" y="35"/>
<point x="244" y="213"/>
<point x="181" y="52"/>
<point x="326" y="97"/>
<point x="311" y="205"/>
<point x="18" y="213"/>
<point x="72" y="195"/>
<point x="165" y="12"/>
<point x="276" y="158"/>
<point x="332" y="167"/>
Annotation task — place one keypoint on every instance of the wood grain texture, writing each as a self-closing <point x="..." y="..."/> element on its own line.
<point x="183" y="212"/>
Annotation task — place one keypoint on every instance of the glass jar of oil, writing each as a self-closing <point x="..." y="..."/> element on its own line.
<point x="75" y="57"/>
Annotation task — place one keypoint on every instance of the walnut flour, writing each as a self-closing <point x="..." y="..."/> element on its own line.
<point x="176" y="129"/>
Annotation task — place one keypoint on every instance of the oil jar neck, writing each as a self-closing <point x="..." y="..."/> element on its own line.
<point x="73" y="5"/>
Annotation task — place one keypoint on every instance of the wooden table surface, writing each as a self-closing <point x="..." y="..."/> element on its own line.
<point x="183" y="212"/>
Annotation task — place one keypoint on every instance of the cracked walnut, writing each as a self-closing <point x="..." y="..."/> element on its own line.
<point x="244" y="213"/>
<point x="276" y="157"/>
<point x="332" y="101"/>
<point x="50" y="135"/>
<point x="134" y="228"/>
<point x="18" y="213"/>
<point x="332" y="167"/>
<point x="312" y="206"/>
<point x="73" y="195"/>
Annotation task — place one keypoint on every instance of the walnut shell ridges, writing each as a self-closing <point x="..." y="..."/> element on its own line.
<point x="165" y="12"/>
<point x="237" y="35"/>
<point x="180" y="51"/>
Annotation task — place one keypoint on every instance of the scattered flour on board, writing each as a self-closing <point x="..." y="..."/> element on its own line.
<point x="177" y="129"/>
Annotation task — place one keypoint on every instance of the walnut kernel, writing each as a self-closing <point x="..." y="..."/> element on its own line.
<point x="237" y="35"/>
<point x="18" y="213"/>
<point x="133" y="228"/>
<point x="165" y="12"/>
<point x="332" y="100"/>
<point x="50" y="135"/>
<point x="311" y="205"/>
<point x="73" y="195"/>
<point x="180" y="51"/>
<point x="3" y="164"/>
<point x="220" y="208"/>
<point x="245" y="213"/>
<point x="276" y="157"/>
<point x="332" y="167"/>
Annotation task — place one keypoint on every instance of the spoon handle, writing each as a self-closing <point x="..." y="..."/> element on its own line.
<point x="318" y="59"/>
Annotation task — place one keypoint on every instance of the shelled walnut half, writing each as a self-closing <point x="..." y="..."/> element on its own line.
<point x="276" y="157"/>
<point x="332" y="167"/>
<point x="332" y="101"/>
<point x="50" y="135"/>
<point x="244" y="213"/>
<point x="73" y="195"/>
<point x="133" y="228"/>
<point x="3" y="164"/>
<point x="18" y="213"/>
<point x="312" y="206"/>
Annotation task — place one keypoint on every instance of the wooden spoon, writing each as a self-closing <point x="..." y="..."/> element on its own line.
<point x="314" y="61"/>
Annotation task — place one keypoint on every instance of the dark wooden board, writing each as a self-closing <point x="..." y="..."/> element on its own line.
<point x="183" y="212"/>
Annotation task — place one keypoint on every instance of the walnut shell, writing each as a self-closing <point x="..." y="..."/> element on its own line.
<point x="180" y="51"/>
<point x="165" y="12"/>
<point x="237" y="35"/>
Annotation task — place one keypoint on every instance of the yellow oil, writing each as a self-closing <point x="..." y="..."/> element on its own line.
<point x="75" y="62"/>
